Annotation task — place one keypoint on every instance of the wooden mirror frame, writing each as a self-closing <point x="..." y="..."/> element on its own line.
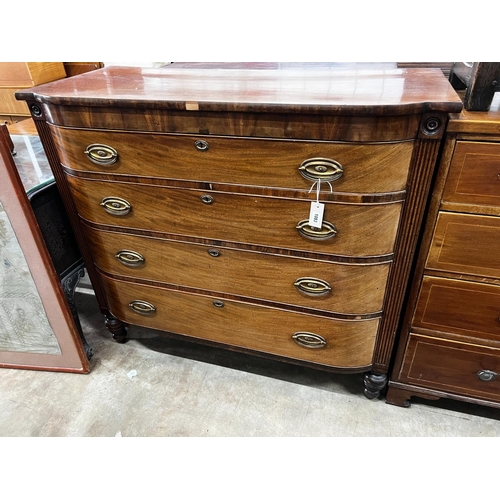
<point x="17" y="206"/>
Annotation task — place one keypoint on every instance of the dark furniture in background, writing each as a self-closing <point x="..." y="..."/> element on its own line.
<point x="61" y="244"/>
<point x="479" y="80"/>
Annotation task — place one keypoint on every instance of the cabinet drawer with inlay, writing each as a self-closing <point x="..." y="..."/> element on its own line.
<point x="459" y="307"/>
<point x="454" y="367"/>
<point x="320" y="340"/>
<point x="353" y="230"/>
<point x="291" y="164"/>
<point x="468" y="244"/>
<point x="330" y="287"/>
<point x="474" y="176"/>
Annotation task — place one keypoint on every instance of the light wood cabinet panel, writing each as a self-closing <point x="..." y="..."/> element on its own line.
<point x="15" y="76"/>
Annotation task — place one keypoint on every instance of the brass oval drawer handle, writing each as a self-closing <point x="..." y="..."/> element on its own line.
<point x="101" y="154"/>
<point x="116" y="206"/>
<point x="142" y="307"/>
<point x="309" y="340"/>
<point x="486" y="375"/>
<point x="313" y="286"/>
<point x="218" y="303"/>
<point x="130" y="258"/>
<point x="322" y="169"/>
<point x="201" y="145"/>
<point x="327" y="230"/>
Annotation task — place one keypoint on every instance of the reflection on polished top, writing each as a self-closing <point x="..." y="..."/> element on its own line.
<point x="323" y="89"/>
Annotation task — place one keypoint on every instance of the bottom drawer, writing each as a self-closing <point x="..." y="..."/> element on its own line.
<point x="325" y="341"/>
<point x="450" y="366"/>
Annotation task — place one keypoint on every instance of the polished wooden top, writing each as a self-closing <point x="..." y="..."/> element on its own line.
<point x="321" y="89"/>
<point x="477" y="122"/>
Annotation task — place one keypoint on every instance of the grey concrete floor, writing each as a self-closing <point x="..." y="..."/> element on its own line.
<point x="155" y="386"/>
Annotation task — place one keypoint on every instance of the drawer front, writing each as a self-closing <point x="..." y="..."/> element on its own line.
<point x="372" y="168"/>
<point x="340" y="288"/>
<point x="461" y="307"/>
<point x="468" y="244"/>
<point x="474" y="175"/>
<point x="453" y="367"/>
<point x="362" y="230"/>
<point x="268" y="330"/>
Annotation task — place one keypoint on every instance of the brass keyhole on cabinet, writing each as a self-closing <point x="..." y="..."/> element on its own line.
<point x="201" y="145"/>
<point x="207" y="199"/>
<point x="486" y="375"/>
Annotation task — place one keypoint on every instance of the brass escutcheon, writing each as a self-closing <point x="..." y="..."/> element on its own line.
<point x="486" y="375"/>
<point x="207" y="199"/>
<point x="309" y="340"/>
<point x="201" y="145"/>
<point x="101" y="154"/>
<point x="213" y="252"/>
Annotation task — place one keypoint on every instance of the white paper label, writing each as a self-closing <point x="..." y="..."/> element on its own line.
<point x="316" y="214"/>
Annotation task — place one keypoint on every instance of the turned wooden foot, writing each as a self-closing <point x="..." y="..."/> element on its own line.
<point x="117" y="329"/>
<point x="374" y="383"/>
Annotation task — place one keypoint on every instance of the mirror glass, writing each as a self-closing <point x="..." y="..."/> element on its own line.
<point x="24" y="326"/>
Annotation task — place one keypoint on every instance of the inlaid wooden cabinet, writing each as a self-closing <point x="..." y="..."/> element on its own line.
<point x="450" y="342"/>
<point x="190" y="191"/>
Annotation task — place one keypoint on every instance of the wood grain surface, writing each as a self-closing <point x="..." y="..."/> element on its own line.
<point x="356" y="289"/>
<point x="363" y="230"/>
<point x="367" y="168"/>
<point x="264" y="329"/>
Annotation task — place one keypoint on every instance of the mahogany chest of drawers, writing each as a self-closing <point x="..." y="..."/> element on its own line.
<point x="191" y="191"/>
<point x="450" y="341"/>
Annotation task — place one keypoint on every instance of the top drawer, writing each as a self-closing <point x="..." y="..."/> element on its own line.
<point x="474" y="176"/>
<point x="360" y="168"/>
